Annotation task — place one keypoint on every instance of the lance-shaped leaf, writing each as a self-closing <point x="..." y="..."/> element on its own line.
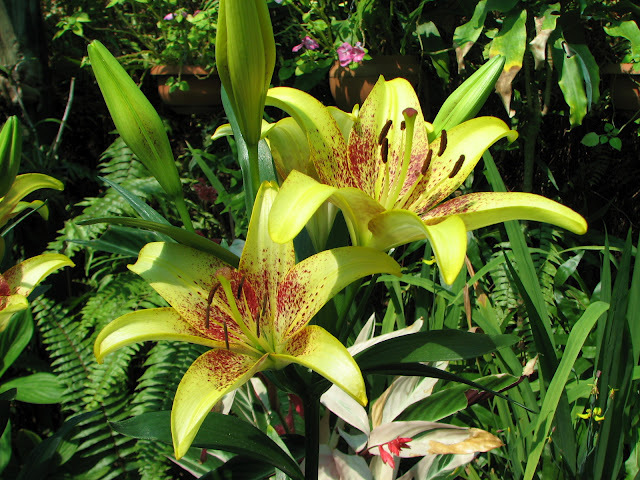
<point x="254" y="317"/>
<point x="10" y="153"/>
<point x="17" y="283"/>
<point x="135" y="118"/>
<point x="390" y="182"/>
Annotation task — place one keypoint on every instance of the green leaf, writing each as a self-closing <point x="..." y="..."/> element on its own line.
<point x="432" y="346"/>
<point x="37" y="464"/>
<point x="221" y="432"/>
<point x="14" y="338"/>
<point x="122" y="241"/>
<point x="179" y="235"/>
<point x="40" y="388"/>
<point x="543" y="425"/>
<point x="452" y="399"/>
<point x="615" y="143"/>
<point x="144" y="210"/>
<point x="591" y="139"/>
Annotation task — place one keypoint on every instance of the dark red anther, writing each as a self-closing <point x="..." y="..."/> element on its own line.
<point x="443" y="143"/>
<point x="427" y="162"/>
<point x="457" y="166"/>
<point x="384" y="131"/>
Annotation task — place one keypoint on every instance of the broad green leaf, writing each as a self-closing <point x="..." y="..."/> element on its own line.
<point x="221" y="432"/>
<point x="452" y="399"/>
<point x="178" y="234"/>
<point x="37" y="464"/>
<point x="14" y="338"/>
<point x="39" y="388"/>
<point x="432" y="346"/>
<point x="510" y="42"/>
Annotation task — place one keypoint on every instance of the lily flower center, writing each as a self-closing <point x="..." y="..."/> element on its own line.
<point x="389" y="183"/>
<point x="239" y="314"/>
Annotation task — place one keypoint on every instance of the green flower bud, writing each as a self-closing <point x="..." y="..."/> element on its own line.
<point x="135" y="118"/>
<point x="245" y="59"/>
<point x="467" y="100"/>
<point x="10" y="152"/>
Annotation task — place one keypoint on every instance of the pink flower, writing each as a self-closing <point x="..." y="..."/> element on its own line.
<point x="394" y="447"/>
<point x="350" y="54"/>
<point x="308" y="43"/>
<point x="169" y="16"/>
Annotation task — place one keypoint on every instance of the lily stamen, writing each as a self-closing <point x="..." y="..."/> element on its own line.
<point x="213" y="291"/>
<point x="410" y="115"/>
<point x="384" y="131"/>
<point x="443" y="142"/>
<point x="457" y="167"/>
<point x="240" y="288"/>
<point x="384" y="150"/>
<point x="427" y="162"/>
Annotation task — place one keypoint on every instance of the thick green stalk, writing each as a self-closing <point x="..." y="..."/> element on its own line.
<point x="311" y="436"/>
<point x="532" y="128"/>
<point x="250" y="176"/>
<point x="184" y="213"/>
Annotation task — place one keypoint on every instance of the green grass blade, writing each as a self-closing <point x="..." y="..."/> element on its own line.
<point x="577" y="338"/>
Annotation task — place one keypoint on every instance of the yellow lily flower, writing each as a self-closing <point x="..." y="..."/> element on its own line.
<point x="390" y="182"/>
<point x="17" y="283"/>
<point x="253" y="318"/>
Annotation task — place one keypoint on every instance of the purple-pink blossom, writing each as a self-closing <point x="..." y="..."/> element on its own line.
<point x="169" y="16"/>
<point x="308" y="43"/>
<point x="348" y="53"/>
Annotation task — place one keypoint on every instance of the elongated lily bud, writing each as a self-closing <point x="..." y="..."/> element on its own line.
<point x="465" y="102"/>
<point x="245" y="59"/>
<point x="10" y="152"/>
<point x="135" y="118"/>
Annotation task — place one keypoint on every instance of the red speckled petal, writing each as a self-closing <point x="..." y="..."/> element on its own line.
<point x="323" y="353"/>
<point x="208" y="379"/>
<point x="312" y="282"/>
<point x="22" y="278"/>
<point x="481" y="209"/>
<point x="327" y="146"/>
<point x="464" y="146"/>
<point x="264" y="261"/>
<point x="144" y="325"/>
<point x="185" y="277"/>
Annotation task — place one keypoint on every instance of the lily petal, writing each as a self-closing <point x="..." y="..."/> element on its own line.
<point x="149" y="324"/>
<point x="462" y="148"/>
<point x="481" y="209"/>
<point x="210" y="377"/>
<point x="448" y="237"/>
<point x="264" y="261"/>
<point x="184" y="277"/>
<point x="290" y="148"/>
<point x="22" y="186"/>
<point x="10" y="305"/>
<point x="312" y="282"/>
<point x="327" y="146"/>
<point x="23" y="278"/>
<point x="299" y="198"/>
<point x="320" y="351"/>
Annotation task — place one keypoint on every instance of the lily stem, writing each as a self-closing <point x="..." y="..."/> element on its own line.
<point x="183" y="212"/>
<point x="311" y="436"/>
<point x="250" y="176"/>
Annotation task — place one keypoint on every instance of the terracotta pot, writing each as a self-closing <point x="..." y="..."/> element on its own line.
<point x="350" y="87"/>
<point x="625" y="85"/>
<point x="203" y="95"/>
